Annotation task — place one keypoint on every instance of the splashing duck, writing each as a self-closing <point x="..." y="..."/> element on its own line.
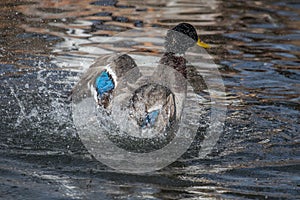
<point x="159" y="103"/>
<point x="152" y="105"/>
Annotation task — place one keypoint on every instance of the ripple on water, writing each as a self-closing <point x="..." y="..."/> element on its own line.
<point x="46" y="45"/>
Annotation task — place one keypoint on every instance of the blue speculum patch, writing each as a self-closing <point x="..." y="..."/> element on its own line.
<point x="104" y="83"/>
<point x="150" y="118"/>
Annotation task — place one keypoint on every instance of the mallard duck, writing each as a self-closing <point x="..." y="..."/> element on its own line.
<point x="159" y="103"/>
<point x="178" y="40"/>
<point x="151" y="105"/>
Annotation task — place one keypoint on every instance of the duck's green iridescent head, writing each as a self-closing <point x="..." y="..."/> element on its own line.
<point x="182" y="37"/>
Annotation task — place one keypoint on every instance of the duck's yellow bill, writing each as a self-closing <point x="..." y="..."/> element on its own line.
<point x="202" y="44"/>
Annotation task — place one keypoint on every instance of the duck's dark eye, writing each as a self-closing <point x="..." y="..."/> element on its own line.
<point x="104" y="83"/>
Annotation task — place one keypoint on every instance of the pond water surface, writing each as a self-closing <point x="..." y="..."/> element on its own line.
<point x="46" y="45"/>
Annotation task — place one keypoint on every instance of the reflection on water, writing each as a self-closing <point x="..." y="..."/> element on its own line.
<point x="46" y="45"/>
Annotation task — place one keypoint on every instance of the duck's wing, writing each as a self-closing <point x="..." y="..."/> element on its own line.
<point x="116" y="64"/>
<point x="83" y="88"/>
<point x="175" y="81"/>
<point x="122" y="64"/>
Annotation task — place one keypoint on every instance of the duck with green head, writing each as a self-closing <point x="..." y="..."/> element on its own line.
<point x="177" y="42"/>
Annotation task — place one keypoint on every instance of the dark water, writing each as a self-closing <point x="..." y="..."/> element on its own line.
<point x="46" y="45"/>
